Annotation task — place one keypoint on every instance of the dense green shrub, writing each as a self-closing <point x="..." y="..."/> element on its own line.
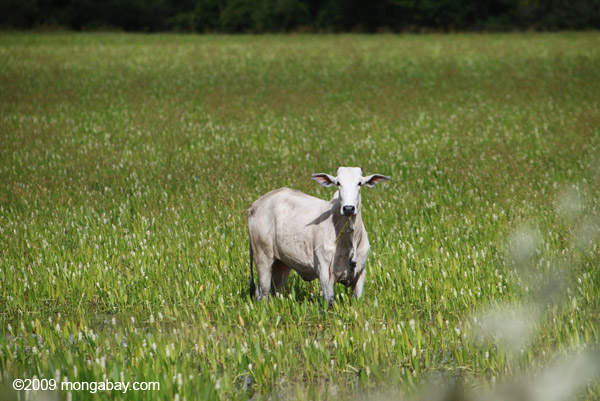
<point x="292" y="15"/>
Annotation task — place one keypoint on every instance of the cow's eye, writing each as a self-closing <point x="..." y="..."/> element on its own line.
<point x="359" y="183"/>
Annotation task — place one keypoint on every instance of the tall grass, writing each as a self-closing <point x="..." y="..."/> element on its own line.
<point x="128" y="162"/>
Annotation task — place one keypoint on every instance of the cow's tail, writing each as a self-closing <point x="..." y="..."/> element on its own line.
<point x="252" y="286"/>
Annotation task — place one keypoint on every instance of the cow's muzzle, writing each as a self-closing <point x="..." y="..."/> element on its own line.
<point x="348" y="210"/>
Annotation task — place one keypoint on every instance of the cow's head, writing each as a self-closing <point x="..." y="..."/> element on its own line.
<point x="349" y="180"/>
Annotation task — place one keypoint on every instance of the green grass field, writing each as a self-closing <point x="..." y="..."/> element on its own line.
<point x="128" y="163"/>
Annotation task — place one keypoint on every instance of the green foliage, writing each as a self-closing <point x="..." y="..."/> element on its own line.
<point x="128" y="163"/>
<point x="301" y="15"/>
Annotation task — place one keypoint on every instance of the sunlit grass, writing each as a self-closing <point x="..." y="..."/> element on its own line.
<point x="127" y="164"/>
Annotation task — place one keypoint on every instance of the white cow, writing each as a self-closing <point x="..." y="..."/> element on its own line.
<point x="318" y="239"/>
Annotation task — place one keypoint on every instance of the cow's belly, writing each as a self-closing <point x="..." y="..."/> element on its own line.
<point x="300" y="263"/>
<point x="298" y="255"/>
<point x="307" y="275"/>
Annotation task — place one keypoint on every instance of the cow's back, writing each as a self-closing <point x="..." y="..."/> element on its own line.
<point x="283" y="199"/>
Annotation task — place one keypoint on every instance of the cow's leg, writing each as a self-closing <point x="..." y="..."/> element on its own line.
<point x="358" y="285"/>
<point x="327" y="286"/>
<point x="361" y="261"/>
<point x="280" y="275"/>
<point x="264" y="269"/>
<point x="323" y="264"/>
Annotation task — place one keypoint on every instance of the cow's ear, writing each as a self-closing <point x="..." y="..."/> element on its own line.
<point x="324" y="179"/>
<point x="373" y="179"/>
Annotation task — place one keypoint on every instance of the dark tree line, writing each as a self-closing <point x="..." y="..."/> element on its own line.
<point x="300" y="15"/>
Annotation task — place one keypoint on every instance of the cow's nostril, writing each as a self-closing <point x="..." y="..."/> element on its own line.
<point x="348" y="210"/>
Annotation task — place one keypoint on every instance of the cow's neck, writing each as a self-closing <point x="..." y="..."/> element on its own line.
<point x="348" y="229"/>
<point x="354" y="227"/>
